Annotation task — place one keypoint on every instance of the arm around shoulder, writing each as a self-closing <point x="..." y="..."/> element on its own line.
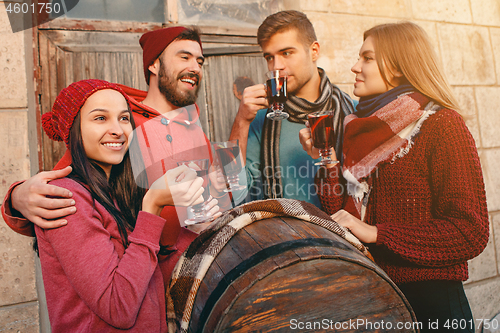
<point x="36" y="201"/>
<point x="13" y="218"/>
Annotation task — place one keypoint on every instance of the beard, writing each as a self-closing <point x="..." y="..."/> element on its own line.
<point x="168" y="84"/>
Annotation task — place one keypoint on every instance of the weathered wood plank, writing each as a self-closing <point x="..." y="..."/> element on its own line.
<point x="140" y="27"/>
<point x="228" y="259"/>
<point x="254" y="274"/>
<point x="263" y="236"/>
<point x="232" y="50"/>
<point x="244" y="245"/>
<point x="84" y="41"/>
<point x="97" y="25"/>
<point x="301" y="227"/>
<point x="281" y="229"/>
<point x="251" y="40"/>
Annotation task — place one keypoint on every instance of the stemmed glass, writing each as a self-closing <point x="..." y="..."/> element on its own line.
<point x="198" y="211"/>
<point x="227" y="158"/>
<point x="276" y="94"/>
<point x="322" y="132"/>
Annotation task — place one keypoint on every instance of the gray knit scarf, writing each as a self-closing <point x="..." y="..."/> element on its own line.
<point x="331" y="98"/>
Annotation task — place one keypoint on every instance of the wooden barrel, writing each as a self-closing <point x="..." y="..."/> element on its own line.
<point x="283" y="274"/>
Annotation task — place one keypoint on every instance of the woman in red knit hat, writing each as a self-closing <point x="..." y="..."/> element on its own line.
<point x="101" y="271"/>
<point x="410" y="184"/>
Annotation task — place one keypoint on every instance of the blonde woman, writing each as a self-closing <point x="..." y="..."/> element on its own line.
<point x="410" y="184"/>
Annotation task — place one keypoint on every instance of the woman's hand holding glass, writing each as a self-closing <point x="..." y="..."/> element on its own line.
<point x="179" y="186"/>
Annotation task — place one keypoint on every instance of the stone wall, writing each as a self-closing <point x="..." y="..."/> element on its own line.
<point x="18" y="296"/>
<point x="466" y="36"/>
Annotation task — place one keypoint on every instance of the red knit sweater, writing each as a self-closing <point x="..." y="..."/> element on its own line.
<point x="429" y="206"/>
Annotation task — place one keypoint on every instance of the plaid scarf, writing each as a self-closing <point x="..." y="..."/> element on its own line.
<point x="383" y="136"/>
<point x="331" y="98"/>
<point x="197" y="259"/>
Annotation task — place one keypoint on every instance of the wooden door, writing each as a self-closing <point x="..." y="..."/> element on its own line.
<point x="68" y="56"/>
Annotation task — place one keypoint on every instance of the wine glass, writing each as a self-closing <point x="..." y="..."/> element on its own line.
<point x="227" y="158"/>
<point x="321" y="124"/>
<point x="198" y="211"/>
<point x="276" y="94"/>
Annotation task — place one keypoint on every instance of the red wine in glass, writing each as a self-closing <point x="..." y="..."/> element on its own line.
<point x="322" y="132"/>
<point x="276" y="94"/>
<point x="228" y="160"/>
<point x="276" y="90"/>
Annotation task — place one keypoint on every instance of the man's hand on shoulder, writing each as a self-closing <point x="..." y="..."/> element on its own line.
<point x="31" y="199"/>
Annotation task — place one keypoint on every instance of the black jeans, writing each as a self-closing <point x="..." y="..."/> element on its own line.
<point x="441" y="306"/>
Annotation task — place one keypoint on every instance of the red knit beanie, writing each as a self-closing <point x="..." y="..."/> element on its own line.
<point x="154" y="42"/>
<point x="68" y="103"/>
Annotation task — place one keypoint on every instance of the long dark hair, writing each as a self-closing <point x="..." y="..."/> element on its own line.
<point x="119" y="195"/>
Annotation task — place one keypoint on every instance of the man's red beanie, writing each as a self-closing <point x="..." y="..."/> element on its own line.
<point x="154" y="42"/>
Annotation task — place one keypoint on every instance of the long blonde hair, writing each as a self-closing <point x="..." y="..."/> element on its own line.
<point x="405" y="47"/>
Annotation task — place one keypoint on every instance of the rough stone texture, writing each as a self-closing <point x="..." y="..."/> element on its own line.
<point x="467" y="103"/>
<point x="490" y="161"/>
<point x="21" y="318"/>
<point x="486" y="12"/>
<point x="495" y="42"/>
<point x="488" y="99"/>
<point x="4" y="19"/>
<point x="14" y="159"/>
<point x="316" y="5"/>
<point x="12" y="66"/>
<point x="292" y="5"/>
<point x="448" y="11"/>
<point x="389" y="8"/>
<point x="480" y="268"/>
<point x="17" y="267"/>
<point x="467" y="54"/>
<point x="496" y="232"/>
<point x="484" y="298"/>
<point x="340" y="37"/>
<point x="431" y="30"/>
